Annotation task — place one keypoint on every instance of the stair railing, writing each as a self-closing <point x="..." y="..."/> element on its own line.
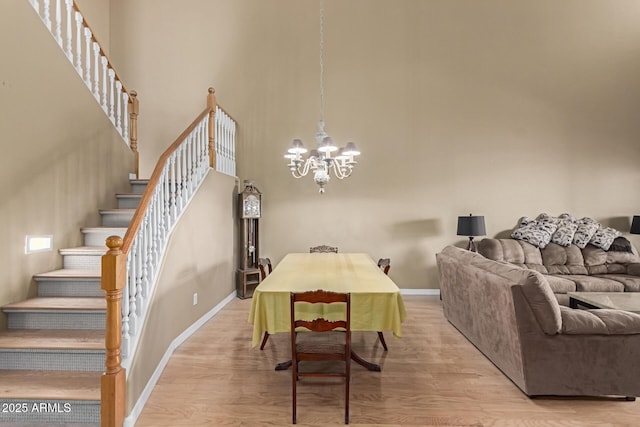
<point x="131" y="266"/>
<point x="79" y="43"/>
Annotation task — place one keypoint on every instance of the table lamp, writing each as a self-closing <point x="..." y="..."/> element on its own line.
<point x="472" y="226"/>
<point x="635" y="225"/>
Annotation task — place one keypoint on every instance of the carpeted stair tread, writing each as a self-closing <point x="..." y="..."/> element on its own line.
<point x="52" y="339"/>
<point x="45" y="385"/>
<point x="69" y="273"/>
<point x="59" y="303"/>
<point x="90" y="250"/>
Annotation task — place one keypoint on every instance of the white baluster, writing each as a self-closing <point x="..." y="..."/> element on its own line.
<point x="118" y="100"/>
<point x="47" y="14"/>
<point x="58" y="31"/>
<point x="167" y="200"/>
<point x="233" y="150"/>
<point x="217" y="138"/>
<point x="112" y="77"/>
<point x="125" y="117"/>
<point x="228" y="146"/>
<point x="126" y="332"/>
<point x="87" y="52"/>
<point x="135" y="253"/>
<point x="144" y="251"/>
<point x="78" y="19"/>
<point x="36" y="5"/>
<point x="69" y="8"/>
<point x="173" y="190"/>
<point x="178" y="163"/>
<point x="157" y="244"/>
<point x="103" y="98"/>
<point x="225" y="144"/>
<point x="96" y="70"/>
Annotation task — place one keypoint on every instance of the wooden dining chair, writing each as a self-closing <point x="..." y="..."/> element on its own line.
<point x="314" y="346"/>
<point x="265" y="266"/>
<point x="323" y="249"/>
<point x="385" y="265"/>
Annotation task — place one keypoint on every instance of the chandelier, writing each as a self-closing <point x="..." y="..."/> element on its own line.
<point x="327" y="157"/>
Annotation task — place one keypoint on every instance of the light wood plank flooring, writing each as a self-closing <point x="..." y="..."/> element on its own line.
<point x="431" y="377"/>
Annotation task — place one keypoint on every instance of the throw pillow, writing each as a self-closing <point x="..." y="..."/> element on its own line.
<point x="538" y="233"/>
<point x="567" y="226"/>
<point x="565" y="233"/>
<point x="604" y="237"/>
<point x="587" y="227"/>
<point x="621" y="244"/>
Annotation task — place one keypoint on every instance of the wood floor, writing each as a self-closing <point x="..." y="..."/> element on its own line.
<point x="431" y="377"/>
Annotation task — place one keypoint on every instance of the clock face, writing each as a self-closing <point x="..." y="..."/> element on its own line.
<point x="251" y="207"/>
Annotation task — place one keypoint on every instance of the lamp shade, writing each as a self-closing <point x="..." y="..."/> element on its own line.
<point x="472" y="226"/>
<point x="635" y="225"/>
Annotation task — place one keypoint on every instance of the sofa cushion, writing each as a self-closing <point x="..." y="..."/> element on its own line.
<point x="563" y="260"/>
<point x="538" y="233"/>
<point x="601" y="322"/>
<point x="630" y="283"/>
<point x="595" y="283"/>
<point x="561" y="284"/>
<point x="517" y="252"/>
<point x="594" y="256"/>
<point x="543" y="303"/>
<point x="587" y="227"/>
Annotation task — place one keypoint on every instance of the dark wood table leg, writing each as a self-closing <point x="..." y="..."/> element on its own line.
<point x="283" y="366"/>
<point x="384" y="344"/>
<point x="360" y="361"/>
<point x="264" y="340"/>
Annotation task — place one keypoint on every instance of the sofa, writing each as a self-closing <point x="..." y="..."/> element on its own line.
<point x="512" y="316"/>
<point x="570" y="269"/>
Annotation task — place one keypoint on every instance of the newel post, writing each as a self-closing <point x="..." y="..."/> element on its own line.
<point x="133" y="130"/>
<point x="211" y="104"/>
<point x="113" y="381"/>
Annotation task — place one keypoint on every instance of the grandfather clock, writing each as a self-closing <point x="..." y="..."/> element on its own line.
<point x="249" y="208"/>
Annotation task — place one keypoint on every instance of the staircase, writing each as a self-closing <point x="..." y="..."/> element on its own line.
<point x="52" y="355"/>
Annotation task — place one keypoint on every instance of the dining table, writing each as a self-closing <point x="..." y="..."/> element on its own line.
<point x="376" y="302"/>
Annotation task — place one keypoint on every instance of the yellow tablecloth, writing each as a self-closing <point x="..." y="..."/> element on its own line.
<point x="376" y="303"/>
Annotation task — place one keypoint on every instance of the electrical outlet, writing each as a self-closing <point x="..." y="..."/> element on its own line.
<point x="195" y="298"/>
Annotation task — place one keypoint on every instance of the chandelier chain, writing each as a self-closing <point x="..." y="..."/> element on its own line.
<point x="321" y="60"/>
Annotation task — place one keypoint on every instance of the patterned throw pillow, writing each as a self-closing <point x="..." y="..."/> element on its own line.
<point x="538" y="233"/>
<point x="604" y="237"/>
<point x="587" y="227"/>
<point x="567" y="226"/>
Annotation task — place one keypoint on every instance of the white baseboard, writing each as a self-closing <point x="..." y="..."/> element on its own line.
<point x="130" y="421"/>
<point x="419" y="291"/>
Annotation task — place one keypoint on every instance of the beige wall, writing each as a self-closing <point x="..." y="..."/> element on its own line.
<point x="201" y="240"/>
<point x="96" y="14"/>
<point x="494" y="107"/>
<point x="61" y="159"/>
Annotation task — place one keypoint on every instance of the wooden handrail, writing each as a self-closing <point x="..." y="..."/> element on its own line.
<point x="102" y="52"/>
<point x="138" y="216"/>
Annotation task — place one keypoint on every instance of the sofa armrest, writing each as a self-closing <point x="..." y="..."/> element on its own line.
<point x="599" y="322"/>
<point x="633" y="269"/>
